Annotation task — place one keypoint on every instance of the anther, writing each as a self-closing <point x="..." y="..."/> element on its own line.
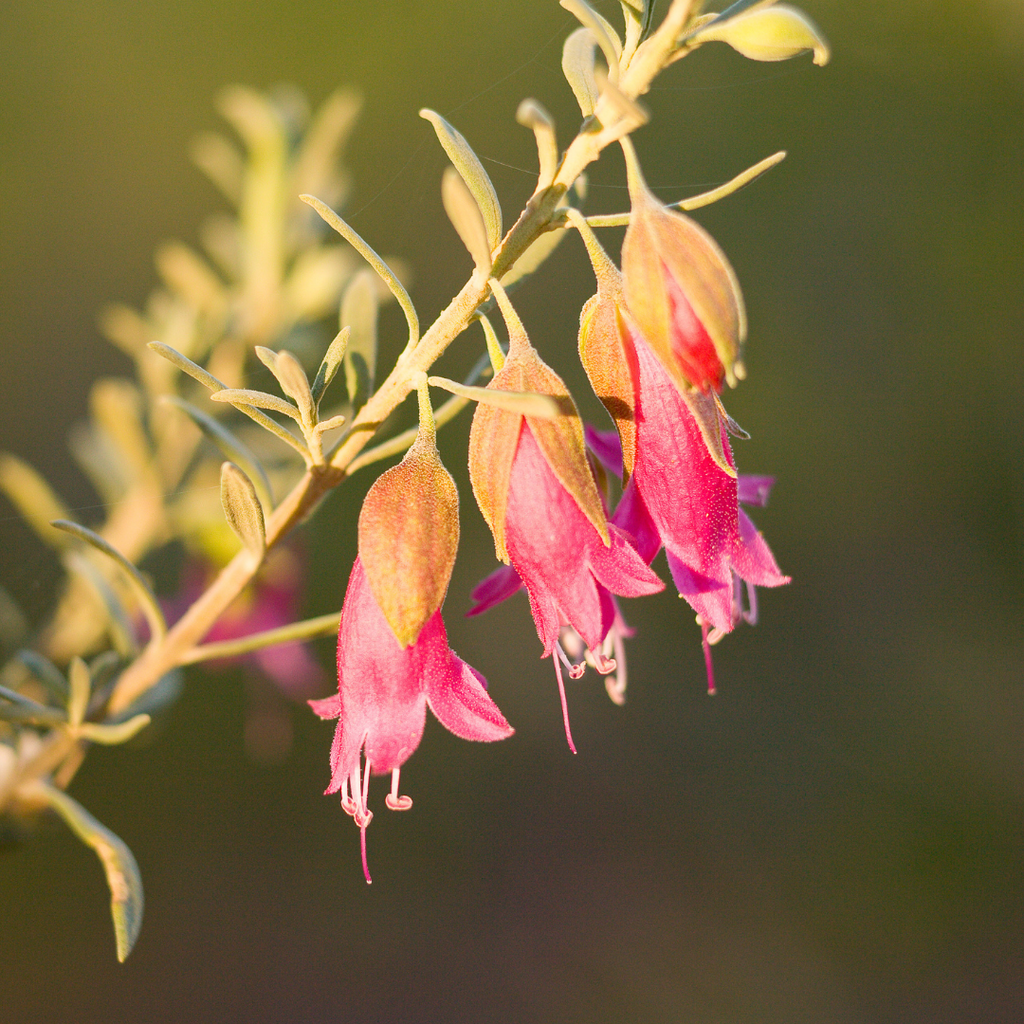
<point x="393" y="801"/>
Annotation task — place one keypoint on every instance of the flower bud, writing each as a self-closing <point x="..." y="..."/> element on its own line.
<point x="610" y="364"/>
<point x="494" y="438"/>
<point x="408" y="537"/>
<point x="681" y="291"/>
<point x="767" y="33"/>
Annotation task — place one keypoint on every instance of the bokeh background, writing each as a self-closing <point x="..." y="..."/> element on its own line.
<point x="837" y="835"/>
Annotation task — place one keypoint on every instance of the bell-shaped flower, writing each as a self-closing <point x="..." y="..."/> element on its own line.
<point x="393" y="654"/>
<point x="537" y="492"/>
<point x="681" y="291"/>
<point x="384" y="690"/>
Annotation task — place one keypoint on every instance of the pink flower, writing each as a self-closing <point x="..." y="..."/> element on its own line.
<point x="693" y="502"/>
<point x="383" y="693"/>
<point x="561" y="558"/>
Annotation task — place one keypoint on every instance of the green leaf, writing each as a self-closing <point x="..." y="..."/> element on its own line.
<point x="121" y="628"/>
<point x="233" y="449"/>
<point x="359" y="314"/>
<point x="46" y="672"/>
<point x="147" y="599"/>
<point x="242" y="508"/>
<point x="111" y="735"/>
<point x="603" y="33"/>
<point x="208" y="380"/>
<point x="161" y="695"/>
<point x="467" y="163"/>
<point x="308" y="629"/>
<point x="81" y="690"/>
<point x="329" y="367"/>
<point x="578" y="68"/>
<point x="239" y="397"/>
<point x="526" y="403"/>
<point x="32" y="496"/>
<point x="16" y="707"/>
<point x="123" y="878"/>
<point x="386" y="274"/>
<point x="465" y="216"/>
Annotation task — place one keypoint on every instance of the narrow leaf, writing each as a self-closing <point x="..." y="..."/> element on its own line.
<point x="741" y="180"/>
<point x="233" y="449"/>
<point x="120" y="625"/>
<point x="467" y="163"/>
<point x="526" y="403"/>
<point x="768" y="34"/>
<point x="295" y="384"/>
<point x="261" y="399"/>
<point x="331" y="362"/>
<point x="359" y="315"/>
<point x="46" y="672"/>
<point x="183" y="363"/>
<point x="32" y="496"/>
<point x="112" y="735"/>
<point x="602" y="31"/>
<point x="123" y="878"/>
<point x="81" y="690"/>
<point x="387" y="275"/>
<point x="530" y="114"/>
<point x="578" y="68"/>
<point x="464" y="213"/>
<point x="309" y="629"/>
<point x="147" y="599"/>
<point x="242" y="508"/>
<point x="208" y="380"/>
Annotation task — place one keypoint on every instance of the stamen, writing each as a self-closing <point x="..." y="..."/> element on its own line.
<point x="736" y="612"/>
<point x="393" y="801"/>
<point x="616" y="684"/>
<point x="350" y="804"/>
<point x="603" y="664"/>
<point x="565" y="707"/>
<point x="751" y="615"/>
<point x="706" y="644"/>
<point x="366" y="783"/>
<point x="362" y="850"/>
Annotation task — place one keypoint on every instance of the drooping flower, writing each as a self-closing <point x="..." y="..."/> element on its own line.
<point x="681" y="486"/>
<point x="537" y="492"/>
<point x="384" y="690"/>
<point x="393" y="654"/>
<point x="681" y="290"/>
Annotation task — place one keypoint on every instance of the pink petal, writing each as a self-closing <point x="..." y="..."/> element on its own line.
<point x="459" y="700"/>
<point x="691" y="500"/>
<point x="328" y="707"/>
<point x="493" y="589"/>
<point x="753" y="560"/>
<point x="709" y="598"/>
<point x="632" y="516"/>
<point x="754" y="490"/>
<point x="606" y="447"/>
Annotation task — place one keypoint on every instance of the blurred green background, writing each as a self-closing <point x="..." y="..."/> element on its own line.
<point x="837" y="835"/>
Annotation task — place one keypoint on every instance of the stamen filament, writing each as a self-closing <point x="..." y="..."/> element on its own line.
<point x="362" y="850"/>
<point x="707" y="657"/>
<point x="561" y="694"/>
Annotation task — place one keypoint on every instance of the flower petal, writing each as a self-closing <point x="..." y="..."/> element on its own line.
<point x="754" y="490"/>
<point x="459" y="699"/>
<point x="753" y="560"/>
<point x="711" y="599"/>
<point x="493" y="589"/>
